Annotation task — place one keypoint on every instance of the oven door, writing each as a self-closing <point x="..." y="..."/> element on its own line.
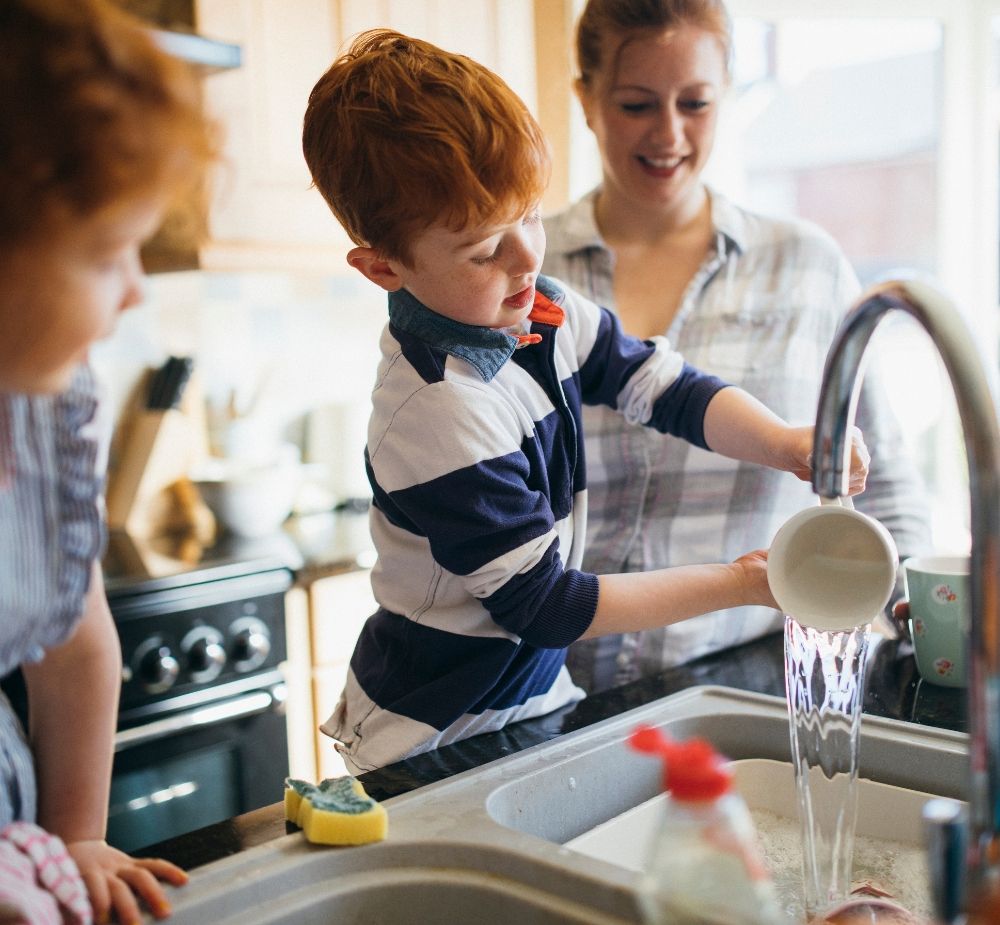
<point x="191" y="768"/>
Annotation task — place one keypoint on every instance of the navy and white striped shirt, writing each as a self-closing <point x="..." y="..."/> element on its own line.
<point x="475" y="456"/>
<point x="51" y="533"/>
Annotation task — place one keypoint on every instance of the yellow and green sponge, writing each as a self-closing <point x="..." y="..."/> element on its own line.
<point x="337" y="811"/>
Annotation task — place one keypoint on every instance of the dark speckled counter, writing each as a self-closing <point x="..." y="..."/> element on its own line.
<point x="893" y="690"/>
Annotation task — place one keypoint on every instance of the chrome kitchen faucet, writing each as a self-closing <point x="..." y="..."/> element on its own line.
<point x="978" y="863"/>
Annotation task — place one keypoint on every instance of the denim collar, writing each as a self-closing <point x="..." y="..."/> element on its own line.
<point x="486" y="349"/>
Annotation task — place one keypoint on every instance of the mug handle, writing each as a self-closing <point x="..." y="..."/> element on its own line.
<point x="846" y="502"/>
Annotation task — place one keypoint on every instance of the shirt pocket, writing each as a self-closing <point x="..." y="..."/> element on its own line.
<point x="768" y="334"/>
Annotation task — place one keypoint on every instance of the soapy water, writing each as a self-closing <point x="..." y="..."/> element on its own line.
<point x="824" y="685"/>
<point x="897" y="868"/>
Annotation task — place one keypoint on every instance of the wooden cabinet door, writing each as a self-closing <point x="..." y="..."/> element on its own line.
<point x="265" y="212"/>
<point x="497" y="33"/>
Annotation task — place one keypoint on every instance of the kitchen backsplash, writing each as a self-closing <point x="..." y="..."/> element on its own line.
<point x="293" y="355"/>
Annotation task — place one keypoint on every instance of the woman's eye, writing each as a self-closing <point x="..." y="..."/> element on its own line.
<point x="636" y="108"/>
<point x="696" y="105"/>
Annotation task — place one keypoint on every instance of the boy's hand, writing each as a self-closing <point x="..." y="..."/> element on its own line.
<point x="752" y="571"/>
<point x="799" y="461"/>
<point x="114" y="879"/>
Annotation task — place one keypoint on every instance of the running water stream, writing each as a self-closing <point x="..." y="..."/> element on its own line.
<point x="824" y="683"/>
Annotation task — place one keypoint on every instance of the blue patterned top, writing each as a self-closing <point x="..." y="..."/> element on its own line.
<point x="51" y="533"/>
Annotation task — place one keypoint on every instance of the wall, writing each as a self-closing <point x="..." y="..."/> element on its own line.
<point x="308" y="344"/>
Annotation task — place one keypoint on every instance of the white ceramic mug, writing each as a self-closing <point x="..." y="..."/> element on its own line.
<point x="832" y="567"/>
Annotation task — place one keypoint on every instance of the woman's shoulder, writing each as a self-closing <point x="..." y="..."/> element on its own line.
<point x="754" y="229"/>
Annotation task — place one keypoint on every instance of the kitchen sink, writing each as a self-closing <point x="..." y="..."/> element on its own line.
<point x="552" y="834"/>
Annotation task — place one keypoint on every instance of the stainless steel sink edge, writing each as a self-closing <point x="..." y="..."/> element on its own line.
<point x="510" y="817"/>
<point x="283" y="881"/>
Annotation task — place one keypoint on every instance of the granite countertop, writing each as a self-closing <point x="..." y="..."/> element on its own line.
<point x="893" y="689"/>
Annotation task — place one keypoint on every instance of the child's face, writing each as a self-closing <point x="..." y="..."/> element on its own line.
<point x="482" y="276"/>
<point x="65" y="288"/>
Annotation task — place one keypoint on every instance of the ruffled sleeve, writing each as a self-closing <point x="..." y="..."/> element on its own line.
<point x="51" y="511"/>
<point x="81" y="527"/>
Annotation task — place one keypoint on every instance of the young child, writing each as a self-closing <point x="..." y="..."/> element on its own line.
<point x="97" y="129"/>
<point x="435" y="168"/>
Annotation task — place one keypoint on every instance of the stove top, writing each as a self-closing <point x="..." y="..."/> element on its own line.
<point x="139" y="566"/>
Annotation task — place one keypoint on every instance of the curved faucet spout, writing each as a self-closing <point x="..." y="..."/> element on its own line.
<point x="837" y="404"/>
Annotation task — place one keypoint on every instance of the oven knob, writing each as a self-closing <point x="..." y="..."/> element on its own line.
<point x="204" y="652"/>
<point x="157" y="669"/>
<point x="251" y="643"/>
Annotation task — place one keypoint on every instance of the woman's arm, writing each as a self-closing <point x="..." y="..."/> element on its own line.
<point x="73" y="705"/>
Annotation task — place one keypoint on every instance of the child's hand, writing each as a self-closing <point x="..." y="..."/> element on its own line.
<point x="114" y="880"/>
<point x="799" y="461"/>
<point x="752" y="568"/>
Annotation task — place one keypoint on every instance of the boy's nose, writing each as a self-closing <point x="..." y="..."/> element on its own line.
<point x="525" y="258"/>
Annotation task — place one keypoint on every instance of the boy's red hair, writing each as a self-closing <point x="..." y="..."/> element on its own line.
<point x="400" y="135"/>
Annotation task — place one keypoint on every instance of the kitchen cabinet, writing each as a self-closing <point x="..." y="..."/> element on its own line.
<point x="324" y="616"/>
<point x="264" y="212"/>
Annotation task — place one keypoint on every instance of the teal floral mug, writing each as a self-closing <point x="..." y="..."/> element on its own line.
<point x="938" y="591"/>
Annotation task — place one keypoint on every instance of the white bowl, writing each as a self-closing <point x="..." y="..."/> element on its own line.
<point x="252" y="502"/>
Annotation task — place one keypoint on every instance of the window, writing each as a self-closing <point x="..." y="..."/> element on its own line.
<point x="879" y="121"/>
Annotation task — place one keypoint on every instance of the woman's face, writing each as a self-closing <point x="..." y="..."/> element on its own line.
<point x="64" y="289"/>
<point x="654" y="110"/>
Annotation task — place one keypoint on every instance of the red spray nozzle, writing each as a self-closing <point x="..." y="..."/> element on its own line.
<point x="692" y="770"/>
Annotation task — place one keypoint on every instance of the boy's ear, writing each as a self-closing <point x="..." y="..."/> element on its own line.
<point x="374" y="266"/>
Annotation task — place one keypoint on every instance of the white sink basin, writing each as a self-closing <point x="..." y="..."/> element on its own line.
<point x="888" y="851"/>
<point x="490" y="845"/>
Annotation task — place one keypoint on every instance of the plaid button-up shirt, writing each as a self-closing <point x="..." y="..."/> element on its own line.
<point x="760" y="313"/>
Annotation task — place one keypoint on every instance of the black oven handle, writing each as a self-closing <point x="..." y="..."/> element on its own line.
<point x="238" y="708"/>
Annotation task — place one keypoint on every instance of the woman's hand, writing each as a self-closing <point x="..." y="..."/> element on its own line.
<point x="114" y="880"/>
<point x="798" y="457"/>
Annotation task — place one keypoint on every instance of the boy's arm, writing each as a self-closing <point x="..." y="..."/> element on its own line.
<point x="643" y="600"/>
<point x="649" y="383"/>
<point x="737" y="425"/>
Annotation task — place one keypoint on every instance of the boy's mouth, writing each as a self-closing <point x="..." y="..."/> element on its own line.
<point x="520" y="299"/>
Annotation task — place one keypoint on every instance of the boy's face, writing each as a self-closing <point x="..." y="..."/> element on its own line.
<point x="482" y="276"/>
<point x="64" y="289"/>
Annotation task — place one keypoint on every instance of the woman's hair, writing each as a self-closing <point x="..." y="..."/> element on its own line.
<point x="400" y="135"/>
<point x="91" y="113"/>
<point x="623" y="19"/>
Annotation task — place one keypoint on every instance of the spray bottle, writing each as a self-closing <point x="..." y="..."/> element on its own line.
<point x="705" y="866"/>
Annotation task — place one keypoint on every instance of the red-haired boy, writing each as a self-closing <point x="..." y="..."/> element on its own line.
<point x="475" y="456"/>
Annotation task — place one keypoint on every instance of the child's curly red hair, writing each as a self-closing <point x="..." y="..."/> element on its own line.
<point x="92" y="113"/>
<point x="400" y="134"/>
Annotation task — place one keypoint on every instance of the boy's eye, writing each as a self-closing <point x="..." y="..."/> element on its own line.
<point x="489" y="258"/>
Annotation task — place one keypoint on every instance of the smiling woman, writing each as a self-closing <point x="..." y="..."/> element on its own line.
<point x="751" y="297"/>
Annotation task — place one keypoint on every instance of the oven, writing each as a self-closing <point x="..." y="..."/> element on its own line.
<point x="201" y="732"/>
